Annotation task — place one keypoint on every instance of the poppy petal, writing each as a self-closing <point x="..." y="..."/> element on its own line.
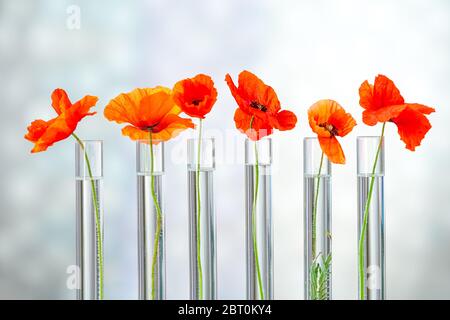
<point x="57" y="130"/>
<point x="80" y="109"/>
<point x="258" y="129"/>
<point x="372" y="117"/>
<point x="285" y="120"/>
<point x="319" y="114"/>
<point x="36" y="129"/>
<point x="60" y="101"/>
<point x="259" y="108"/>
<point x="366" y="95"/>
<point x="155" y="107"/>
<point x="169" y="128"/>
<point x="369" y="118"/>
<point x="382" y="94"/>
<point x="254" y="89"/>
<point x="342" y="122"/>
<point x="45" y="133"/>
<point x="413" y="125"/>
<point x="235" y="93"/>
<point x="196" y="96"/>
<point x="147" y="109"/>
<point x="135" y="134"/>
<point x="125" y="107"/>
<point x="242" y="120"/>
<point x="420" y="108"/>
<point x="332" y="149"/>
<point x="381" y="101"/>
<point x="231" y="85"/>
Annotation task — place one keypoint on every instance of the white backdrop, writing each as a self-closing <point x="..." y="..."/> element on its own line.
<point x="307" y="50"/>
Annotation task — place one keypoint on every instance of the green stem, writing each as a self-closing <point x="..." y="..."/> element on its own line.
<point x="158" y="218"/>
<point x="197" y="190"/>
<point x="365" y="219"/>
<point x="314" y="275"/>
<point x="99" y="239"/>
<point x="255" y="201"/>
<point x="314" y="215"/>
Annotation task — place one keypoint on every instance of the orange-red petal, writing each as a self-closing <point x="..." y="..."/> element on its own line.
<point x="241" y="102"/>
<point x="259" y="128"/>
<point x="36" y="129"/>
<point x="383" y="93"/>
<point x="285" y="120"/>
<point x="366" y="95"/>
<point x="328" y="112"/>
<point x="319" y="113"/>
<point x="196" y="96"/>
<point x="413" y="125"/>
<point x="45" y="133"/>
<point x="60" y="100"/>
<point x="125" y="108"/>
<point x="372" y="117"/>
<point x="252" y="89"/>
<point x="172" y="121"/>
<point x="342" y="122"/>
<point x="153" y="108"/>
<point x="328" y="119"/>
<point x="79" y="110"/>
<point x="56" y="130"/>
<point x="382" y="101"/>
<point x="149" y="109"/>
<point x="259" y="109"/>
<point x="332" y="149"/>
<point x="135" y="134"/>
<point x="420" y="108"/>
<point x="169" y="128"/>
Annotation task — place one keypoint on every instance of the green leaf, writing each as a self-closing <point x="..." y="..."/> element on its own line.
<point x="319" y="275"/>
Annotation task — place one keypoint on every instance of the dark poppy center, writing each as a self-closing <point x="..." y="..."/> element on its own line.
<point x="258" y="106"/>
<point x="330" y="128"/>
<point x="196" y="102"/>
<point x="150" y="128"/>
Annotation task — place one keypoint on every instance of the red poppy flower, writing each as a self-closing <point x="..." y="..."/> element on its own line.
<point x="328" y="119"/>
<point x="147" y="110"/>
<point x="259" y="110"/>
<point x="45" y="133"/>
<point x="383" y="102"/>
<point x="195" y="96"/>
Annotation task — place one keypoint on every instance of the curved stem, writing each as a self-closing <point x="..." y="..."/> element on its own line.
<point x="158" y="218"/>
<point x="197" y="187"/>
<point x="98" y="234"/>
<point x="365" y="219"/>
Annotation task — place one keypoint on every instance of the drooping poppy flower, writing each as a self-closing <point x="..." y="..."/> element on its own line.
<point x="45" y="133"/>
<point x="328" y="119"/>
<point x="147" y="110"/>
<point x="383" y="102"/>
<point x="195" y="96"/>
<point x="259" y="110"/>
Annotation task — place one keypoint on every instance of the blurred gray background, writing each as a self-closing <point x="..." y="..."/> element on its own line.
<point x="307" y="50"/>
